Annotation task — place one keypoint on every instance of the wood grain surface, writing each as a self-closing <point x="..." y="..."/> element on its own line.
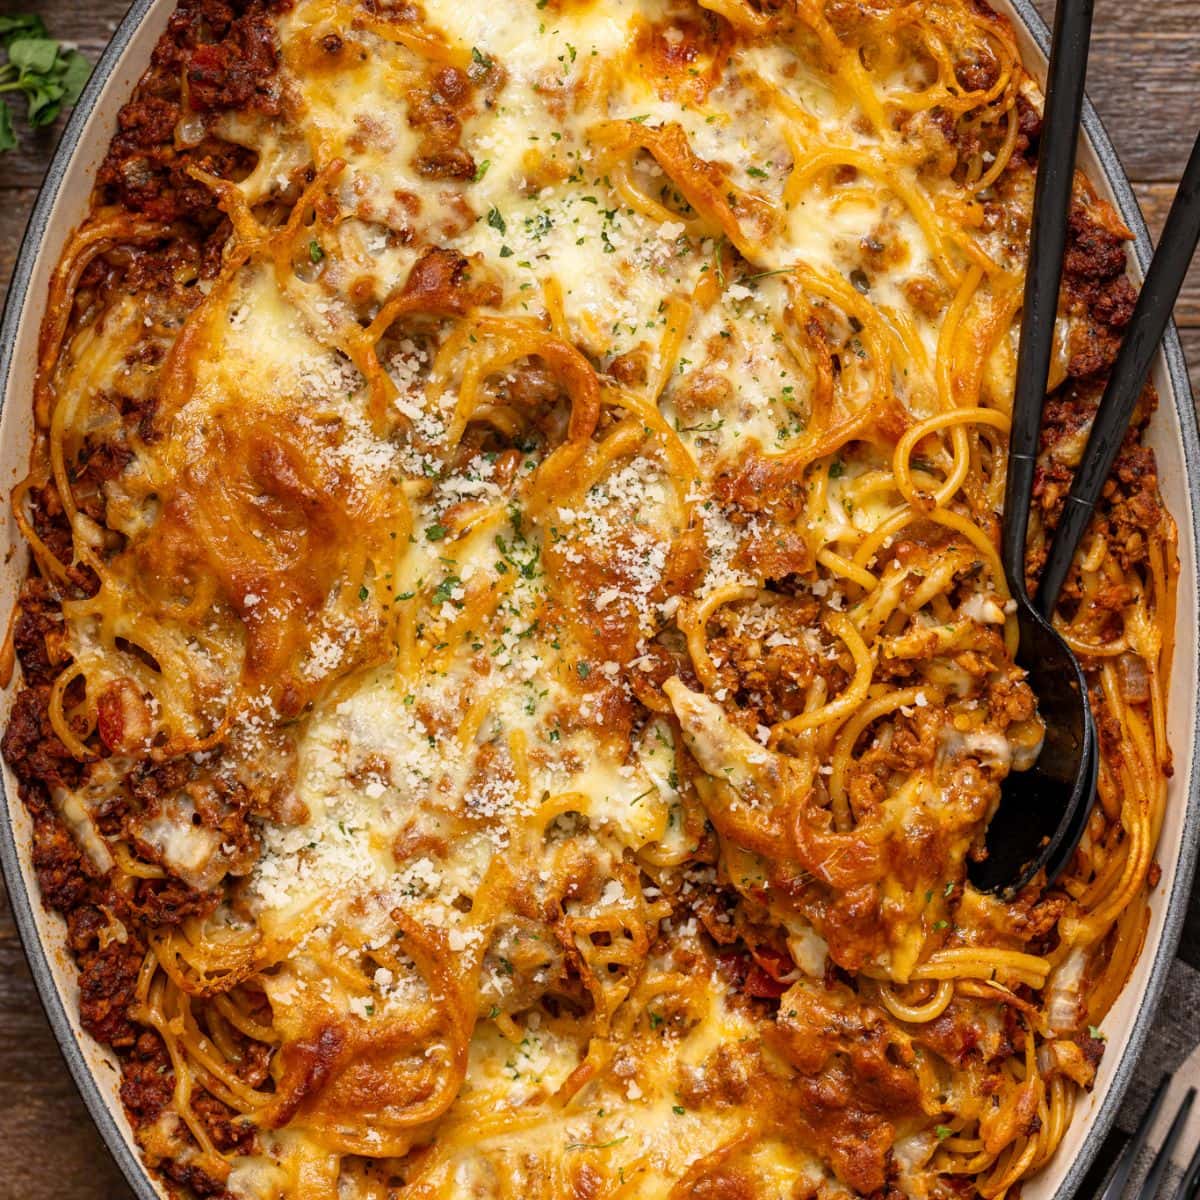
<point x="1143" y="80"/>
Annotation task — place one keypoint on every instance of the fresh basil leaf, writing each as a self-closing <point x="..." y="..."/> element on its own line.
<point x="8" y="139"/>
<point x="33" y="56"/>
<point x="27" y="25"/>
<point x="48" y="74"/>
<point x="76" y="70"/>
<point x="44" y="103"/>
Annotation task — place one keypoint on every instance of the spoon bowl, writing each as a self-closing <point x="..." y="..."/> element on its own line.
<point x="1042" y="810"/>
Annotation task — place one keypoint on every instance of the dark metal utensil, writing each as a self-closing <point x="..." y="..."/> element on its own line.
<point x="1189" y="1185"/>
<point x="1146" y="327"/>
<point x="1043" y="811"/>
<point x="1037" y="806"/>
<point x="1168" y="268"/>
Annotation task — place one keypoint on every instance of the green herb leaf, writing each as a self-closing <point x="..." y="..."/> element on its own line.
<point x="766" y="274"/>
<point x="943" y="1132"/>
<point x="33" y="55"/>
<point x="76" y="72"/>
<point x="596" y="1145"/>
<point x="443" y="592"/>
<point x="315" y="253"/>
<point x="21" y="25"/>
<point x="47" y="74"/>
<point x="495" y="219"/>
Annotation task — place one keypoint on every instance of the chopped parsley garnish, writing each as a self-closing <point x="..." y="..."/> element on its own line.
<point x="480" y="63"/>
<point x="703" y="426"/>
<point x="444" y="590"/>
<point x="539" y="225"/>
<point x="596" y="1145"/>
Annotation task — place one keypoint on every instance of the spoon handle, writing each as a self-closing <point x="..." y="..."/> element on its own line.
<point x="1154" y="306"/>
<point x="1048" y="236"/>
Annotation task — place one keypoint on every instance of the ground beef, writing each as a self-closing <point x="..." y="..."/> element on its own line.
<point x="62" y="875"/>
<point x="226" y="54"/>
<point x="1029" y="127"/>
<point x="166" y="902"/>
<point x="227" y="1129"/>
<point x="194" y="1178"/>
<point x="436" y="109"/>
<point x="38" y="632"/>
<point x="107" y="982"/>
<point x="148" y="1080"/>
<point x="32" y="748"/>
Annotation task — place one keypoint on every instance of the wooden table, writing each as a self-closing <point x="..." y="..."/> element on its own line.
<point x="1145" y="82"/>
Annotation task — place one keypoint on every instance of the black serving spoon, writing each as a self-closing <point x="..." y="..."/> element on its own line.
<point x="1043" y="811"/>
<point x="1037" y="806"/>
<point x="1168" y="268"/>
<point x="1165" y="277"/>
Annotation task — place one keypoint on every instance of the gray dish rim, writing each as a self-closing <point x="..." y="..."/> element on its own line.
<point x="132" y="1167"/>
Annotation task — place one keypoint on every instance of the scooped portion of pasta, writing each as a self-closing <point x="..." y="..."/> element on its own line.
<point x="515" y="659"/>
